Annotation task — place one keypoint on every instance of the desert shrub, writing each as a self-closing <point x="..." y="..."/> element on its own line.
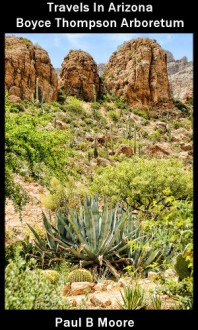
<point x="26" y="41"/>
<point x="95" y="106"/>
<point x="122" y="104"/>
<point x="155" y="136"/>
<point x="190" y="101"/>
<point x="143" y="113"/>
<point x="14" y="191"/>
<point x="181" y="291"/>
<point x="74" y="105"/>
<point x="55" y="197"/>
<point x="182" y="107"/>
<point x="28" y="289"/>
<point x="114" y="116"/>
<point x="17" y="107"/>
<point x="61" y="96"/>
<point x="33" y="150"/>
<point x="110" y="107"/>
<point x="141" y="183"/>
<point x="177" y="124"/>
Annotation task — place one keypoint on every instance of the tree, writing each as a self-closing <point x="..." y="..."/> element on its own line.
<point x="142" y="183"/>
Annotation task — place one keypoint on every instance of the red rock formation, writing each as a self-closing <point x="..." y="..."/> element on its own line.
<point x="138" y="72"/>
<point x="24" y="63"/>
<point x="79" y="76"/>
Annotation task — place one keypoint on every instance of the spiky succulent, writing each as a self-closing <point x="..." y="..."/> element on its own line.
<point x="91" y="235"/>
<point x="80" y="275"/>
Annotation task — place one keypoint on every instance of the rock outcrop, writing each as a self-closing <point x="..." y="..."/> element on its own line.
<point x="138" y="72"/>
<point x="79" y="76"/>
<point x="24" y="63"/>
<point x="180" y="74"/>
<point x="101" y="69"/>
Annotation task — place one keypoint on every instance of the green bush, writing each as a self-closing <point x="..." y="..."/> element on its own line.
<point x="142" y="183"/>
<point x="181" y="291"/>
<point x="33" y="150"/>
<point x="14" y="191"/>
<point x="182" y="107"/>
<point x="95" y="106"/>
<point x="15" y="108"/>
<point x="114" y="116"/>
<point x="74" y="105"/>
<point x="27" y="289"/>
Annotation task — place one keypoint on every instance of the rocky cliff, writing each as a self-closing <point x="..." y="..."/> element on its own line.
<point x="181" y="77"/>
<point x="79" y="76"/>
<point x="24" y="63"/>
<point x="138" y="72"/>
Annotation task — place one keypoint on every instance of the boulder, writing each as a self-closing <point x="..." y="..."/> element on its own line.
<point x="14" y="99"/>
<point x="100" y="302"/>
<point x="102" y="161"/>
<point x="162" y="148"/>
<point x="125" y="150"/>
<point x="78" y="288"/>
<point x="170" y="273"/>
<point x="186" y="147"/>
<point x="100" y="287"/>
<point x="153" y="276"/>
<point x="66" y="289"/>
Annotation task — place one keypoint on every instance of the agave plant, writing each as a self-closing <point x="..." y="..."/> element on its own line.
<point x="132" y="298"/>
<point x="91" y="236"/>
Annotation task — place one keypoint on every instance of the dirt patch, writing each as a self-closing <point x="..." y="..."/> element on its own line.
<point x="16" y="223"/>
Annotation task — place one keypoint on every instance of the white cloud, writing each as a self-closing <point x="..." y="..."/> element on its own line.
<point x="56" y="41"/>
<point x="78" y="40"/>
<point x="166" y="39"/>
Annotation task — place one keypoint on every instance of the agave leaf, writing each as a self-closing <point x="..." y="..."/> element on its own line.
<point x="41" y="242"/>
<point x="59" y="224"/>
<point x="112" y="269"/>
<point x="66" y="247"/>
<point x="114" y="235"/>
<point x="68" y="230"/>
<point x="90" y="225"/>
<point x="77" y="231"/>
<point x="48" y="228"/>
<point x="62" y="238"/>
<point x="104" y="224"/>
<point x="101" y="248"/>
<point x="96" y="216"/>
<point x="151" y="258"/>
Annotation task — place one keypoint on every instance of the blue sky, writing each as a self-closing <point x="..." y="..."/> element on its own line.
<point x="102" y="45"/>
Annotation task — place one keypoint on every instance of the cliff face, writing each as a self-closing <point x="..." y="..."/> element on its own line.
<point x="138" y="72"/>
<point x="79" y="76"/>
<point x="181" y="77"/>
<point x="24" y="63"/>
